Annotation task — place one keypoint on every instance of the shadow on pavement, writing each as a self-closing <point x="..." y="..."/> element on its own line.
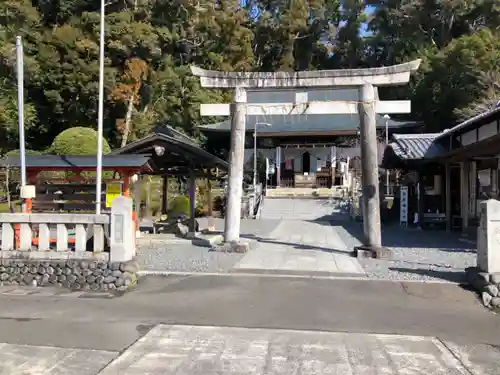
<point x="395" y="236"/>
<point x="296" y="245"/>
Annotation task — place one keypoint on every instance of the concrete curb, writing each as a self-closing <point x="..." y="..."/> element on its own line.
<point x="268" y="275"/>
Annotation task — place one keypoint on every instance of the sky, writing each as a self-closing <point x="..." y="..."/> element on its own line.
<point x="369" y="10"/>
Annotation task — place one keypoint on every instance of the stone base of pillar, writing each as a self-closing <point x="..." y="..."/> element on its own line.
<point x="234" y="247"/>
<point x="368" y="251"/>
<point x="211" y="224"/>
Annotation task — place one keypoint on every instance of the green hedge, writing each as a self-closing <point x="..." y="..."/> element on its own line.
<point x="179" y="205"/>
<point x="78" y="141"/>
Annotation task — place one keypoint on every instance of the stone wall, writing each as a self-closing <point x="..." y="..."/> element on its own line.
<point x="74" y="274"/>
<point x="487" y="284"/>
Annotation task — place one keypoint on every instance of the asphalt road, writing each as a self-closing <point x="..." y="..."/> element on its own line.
<point x="443" y="310"/>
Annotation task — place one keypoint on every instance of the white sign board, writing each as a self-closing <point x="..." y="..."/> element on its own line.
<point x="403" y="209"/>
<point x="484" y="177"/>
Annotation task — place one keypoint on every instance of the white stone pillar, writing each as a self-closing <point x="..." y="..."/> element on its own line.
<point x="236" y="161"/>
<point x="488" y="252"/>
<point x="122" y="239"/>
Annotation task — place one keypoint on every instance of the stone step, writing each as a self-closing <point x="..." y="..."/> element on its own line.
<point x="207" y="240"/>
<point x="305" y="192"/>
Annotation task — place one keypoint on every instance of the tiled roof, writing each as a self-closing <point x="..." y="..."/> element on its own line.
<point x="472" y="121"/>
<point x="77" y="161"/>
<point x="181" y="148"/>
<point x="303" y="123"/>
<point x="415" y="146"/>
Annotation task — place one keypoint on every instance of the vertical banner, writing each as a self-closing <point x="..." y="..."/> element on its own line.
<point x="278" y="166"/>
<point x="403" y="209"/>
<point x="473" y="209"/>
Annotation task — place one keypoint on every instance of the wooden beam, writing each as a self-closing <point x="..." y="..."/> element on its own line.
<point x="310" y="108"/>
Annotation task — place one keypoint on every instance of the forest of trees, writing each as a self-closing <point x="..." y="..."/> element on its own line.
<point x="150" y="45"/>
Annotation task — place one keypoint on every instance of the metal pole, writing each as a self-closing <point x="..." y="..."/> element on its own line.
<point x="254" y="165"/>
<point x="386" y="144"/>
<point x="20" y="106"/>
<point x="98" y="186"/>
<point x="255" y="157"/>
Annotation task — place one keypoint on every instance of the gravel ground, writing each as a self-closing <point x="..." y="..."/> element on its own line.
<point x="416" y="255"/>
<point x="184" y="257"/>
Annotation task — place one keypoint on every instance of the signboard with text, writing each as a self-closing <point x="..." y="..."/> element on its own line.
<point x="113" y="190"/>
<point x="403" y="209"/>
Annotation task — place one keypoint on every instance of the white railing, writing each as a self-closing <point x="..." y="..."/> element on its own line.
<point x="44" y="232"/>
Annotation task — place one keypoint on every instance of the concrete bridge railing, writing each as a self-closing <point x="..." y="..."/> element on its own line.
<point x="48" y="231"/>
<point x="75" y="251"/>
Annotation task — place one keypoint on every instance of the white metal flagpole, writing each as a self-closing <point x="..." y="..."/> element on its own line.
<point x="98" y="186"/>
<point x="20" y="109"/>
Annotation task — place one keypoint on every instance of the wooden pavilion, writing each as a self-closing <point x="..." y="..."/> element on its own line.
<point x="457" y="168"/>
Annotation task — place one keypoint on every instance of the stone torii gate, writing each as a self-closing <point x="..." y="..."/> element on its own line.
<point x="367" y="106"/>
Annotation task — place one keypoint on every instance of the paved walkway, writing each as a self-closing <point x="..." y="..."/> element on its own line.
<point x="196" y="350"/>
<point x="301" y="247"/>
<point x="416" y="255"/>
<point x="299" y="209"/>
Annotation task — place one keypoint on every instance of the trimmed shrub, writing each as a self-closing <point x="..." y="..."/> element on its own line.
<point x="78" y="141"/>
<point x="27" y="152"/>
<point x="179" y="206"/>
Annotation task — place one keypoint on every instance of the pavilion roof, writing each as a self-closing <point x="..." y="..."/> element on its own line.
<point x="180" y="151"/>
<point x="82" y="162"/>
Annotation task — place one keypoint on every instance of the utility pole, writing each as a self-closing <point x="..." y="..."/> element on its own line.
<point x="20" y="110"/>
<point x="100" y="118"/>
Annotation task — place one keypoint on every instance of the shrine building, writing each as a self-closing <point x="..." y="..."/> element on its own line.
<point x="320" y="150"/>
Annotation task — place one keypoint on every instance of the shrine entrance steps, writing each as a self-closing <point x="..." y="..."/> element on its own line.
<point x="337" y="192"/>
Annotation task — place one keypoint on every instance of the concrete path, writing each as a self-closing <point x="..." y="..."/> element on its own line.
<point x="300" y="209"/>
<point x="196" y="350"/>
<point x="43" y="360"/>
<point x="301" y="247"/>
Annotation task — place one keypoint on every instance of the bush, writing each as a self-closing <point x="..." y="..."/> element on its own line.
<point x="179" y="206"/>
<point x="78" y="141"/>
<point x="27" y="152"/>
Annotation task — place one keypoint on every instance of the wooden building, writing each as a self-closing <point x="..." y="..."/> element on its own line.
<point x="457" y="169"/>
<point x="307" y="150"/>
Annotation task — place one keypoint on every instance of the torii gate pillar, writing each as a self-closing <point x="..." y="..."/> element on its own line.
<point x="368" y="106"/>
<point x="236" y="160"/>
<point x="369" y="176"/>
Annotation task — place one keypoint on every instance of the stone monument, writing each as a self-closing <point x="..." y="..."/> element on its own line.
<point x="485" y="278"/>
<point x="488" y="237"/>
<point x="122" y="241"/>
